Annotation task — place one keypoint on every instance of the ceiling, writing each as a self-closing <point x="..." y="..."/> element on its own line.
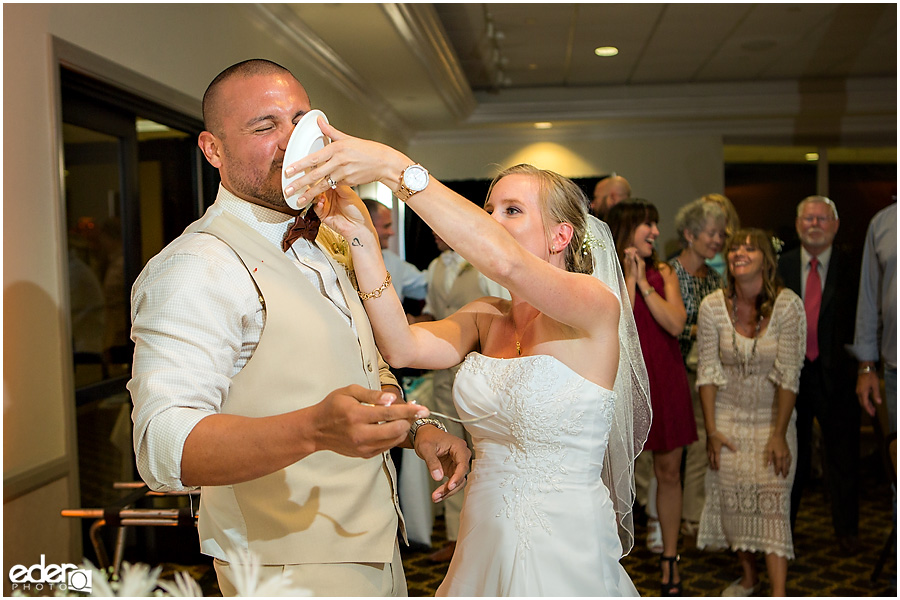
<point x="825" y="73"/>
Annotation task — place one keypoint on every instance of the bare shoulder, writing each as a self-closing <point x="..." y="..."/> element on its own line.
<point x="488" y="305"/>
<point x="667" y="271"/>
<point x="601" y="293"/>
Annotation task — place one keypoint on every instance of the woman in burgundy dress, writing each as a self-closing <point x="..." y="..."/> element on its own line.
<point x="660" y="316"/>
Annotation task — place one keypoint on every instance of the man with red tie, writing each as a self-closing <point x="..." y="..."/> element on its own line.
<point x="826" y="278"/>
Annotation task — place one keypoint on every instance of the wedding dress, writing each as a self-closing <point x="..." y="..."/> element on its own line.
<point x="548" y="503"/>
<point x="537" y="520"/>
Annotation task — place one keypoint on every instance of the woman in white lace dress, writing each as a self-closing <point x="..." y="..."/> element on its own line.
<point x="752" y="338"/>
<point x="556" y="370"/>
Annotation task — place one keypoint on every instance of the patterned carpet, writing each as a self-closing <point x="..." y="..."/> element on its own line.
<point x="820" y="569"/>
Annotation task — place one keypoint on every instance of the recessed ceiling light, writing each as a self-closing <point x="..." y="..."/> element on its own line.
<point x="543" y="125"/>
<point x="606" y="51"/>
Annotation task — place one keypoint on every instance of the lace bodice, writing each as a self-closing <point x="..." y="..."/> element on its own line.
<point x="777" y="354"/>
<point x="549" y="434"/>
<point x="537" y="519"/>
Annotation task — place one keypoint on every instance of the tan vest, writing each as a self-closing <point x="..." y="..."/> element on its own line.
<point x="466" y="287"/>
<point x="325" y="508"/>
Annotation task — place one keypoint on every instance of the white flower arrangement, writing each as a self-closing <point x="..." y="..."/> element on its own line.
<point x="140" y="581"/>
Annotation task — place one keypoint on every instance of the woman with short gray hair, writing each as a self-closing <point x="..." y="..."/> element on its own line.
<point x="701" y="230"/>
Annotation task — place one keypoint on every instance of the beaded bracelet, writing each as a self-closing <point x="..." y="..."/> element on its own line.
<point x="376" y="293"/>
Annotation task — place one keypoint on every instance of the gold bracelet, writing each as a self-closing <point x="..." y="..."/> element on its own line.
<point x="376" y="293"/>
<point x="649" y="291"/>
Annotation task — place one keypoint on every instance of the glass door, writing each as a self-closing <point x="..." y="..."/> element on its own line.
<point x="133" y="181"/>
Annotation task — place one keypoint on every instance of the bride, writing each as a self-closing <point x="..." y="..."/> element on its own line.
<point x="557" y="370"/>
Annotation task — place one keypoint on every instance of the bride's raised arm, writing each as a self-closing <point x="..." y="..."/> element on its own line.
<point x="526" y="272"/>
<point x="429" y="345"/>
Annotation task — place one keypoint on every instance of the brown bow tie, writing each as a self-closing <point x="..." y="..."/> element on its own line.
<point x="302" y="228"/>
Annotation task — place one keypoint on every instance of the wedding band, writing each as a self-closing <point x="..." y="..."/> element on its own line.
<point x="331" y="182"/>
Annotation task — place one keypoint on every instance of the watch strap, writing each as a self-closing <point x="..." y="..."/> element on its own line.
<point x="404" y="193"/>
<point x="425" y="421"/>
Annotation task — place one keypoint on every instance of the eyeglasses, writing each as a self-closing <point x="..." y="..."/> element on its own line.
<point x="810" y="219"/>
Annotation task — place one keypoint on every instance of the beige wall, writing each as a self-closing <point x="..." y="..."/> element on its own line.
<point x="668" y="171"/>
<point x="176" y="50"/>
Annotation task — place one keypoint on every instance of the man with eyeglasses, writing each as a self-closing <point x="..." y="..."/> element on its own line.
<point x="826" y="278"/>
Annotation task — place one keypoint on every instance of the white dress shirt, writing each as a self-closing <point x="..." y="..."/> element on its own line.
<point x="455" y="263"/>
<point x="408" y="281"/>
<point x="197" y="319"/>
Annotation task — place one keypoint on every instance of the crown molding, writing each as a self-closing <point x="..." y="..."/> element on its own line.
<point x="419" y="26"/>
<point x="839" y="98"/>
<point x="858" y="130"/>
<point x="282" y="21"/>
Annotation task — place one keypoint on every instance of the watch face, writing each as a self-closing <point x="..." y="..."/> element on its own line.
<point x="415" y="178"/>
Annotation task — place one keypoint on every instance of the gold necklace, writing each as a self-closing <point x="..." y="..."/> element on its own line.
<point x="524" y="329"/>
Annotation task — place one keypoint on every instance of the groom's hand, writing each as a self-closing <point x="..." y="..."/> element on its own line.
<point x="446" y="456"/>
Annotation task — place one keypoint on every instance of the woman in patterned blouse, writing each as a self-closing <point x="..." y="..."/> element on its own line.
<point x="701" y="231"/>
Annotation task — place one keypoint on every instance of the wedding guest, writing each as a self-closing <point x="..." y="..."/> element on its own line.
<point x="732" y="224"/>
<point x="876" y="318"/>
<point x="608" y="192"/>
<point x="659" y="312"/>
<point x="409" y="281"/>
<point x="752" y="337"/>
<point x="825" y="276"/>
<point x="701" y="232"/>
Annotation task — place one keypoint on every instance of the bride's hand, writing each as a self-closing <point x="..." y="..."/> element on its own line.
<point x="343" y="211"/>
<point x="346" y="161"/>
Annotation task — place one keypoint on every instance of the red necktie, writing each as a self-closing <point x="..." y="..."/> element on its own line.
<point x="302" y="228"/>
<point x="812" y="303"/>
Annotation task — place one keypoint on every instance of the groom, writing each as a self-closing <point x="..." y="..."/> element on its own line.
<point x="234" y="391"/>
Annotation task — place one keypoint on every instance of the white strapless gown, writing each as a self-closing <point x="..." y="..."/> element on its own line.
<point x="537" y="519"/>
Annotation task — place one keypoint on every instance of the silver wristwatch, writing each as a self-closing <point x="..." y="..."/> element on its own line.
<point x="413" y="180"/>
<point x="425" y="421"/>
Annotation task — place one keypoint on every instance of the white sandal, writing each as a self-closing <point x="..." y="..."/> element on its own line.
<point x="654" y="536"/>
<point x="736" y="589"/>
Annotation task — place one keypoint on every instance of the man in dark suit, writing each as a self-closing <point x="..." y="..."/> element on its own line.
<point x="826" y="278"/>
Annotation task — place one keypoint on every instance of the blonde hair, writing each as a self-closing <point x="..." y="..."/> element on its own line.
<point x="560" y="201"/>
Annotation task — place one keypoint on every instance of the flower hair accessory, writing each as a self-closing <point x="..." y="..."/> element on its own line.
<point x="777" y="245"/>
<point x="590" y="242"/>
